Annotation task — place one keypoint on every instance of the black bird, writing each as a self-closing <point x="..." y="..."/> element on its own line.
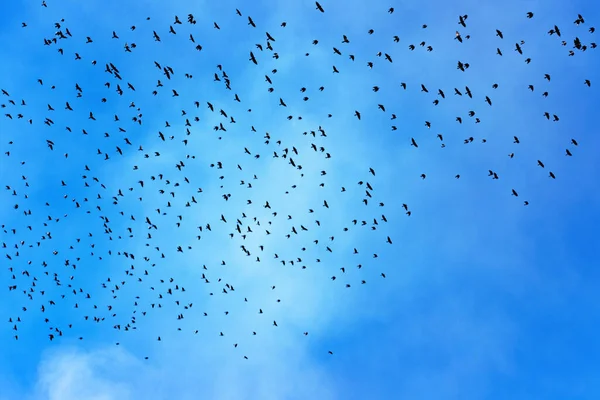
<point x="253" y="59"/>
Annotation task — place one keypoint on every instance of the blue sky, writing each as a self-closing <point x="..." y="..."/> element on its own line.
<point x="484" y="298"/>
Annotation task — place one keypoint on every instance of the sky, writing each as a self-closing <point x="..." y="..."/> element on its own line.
<point x="484" y="297"/>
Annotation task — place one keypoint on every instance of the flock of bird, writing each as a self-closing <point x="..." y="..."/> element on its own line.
<point x="57" y="280"/>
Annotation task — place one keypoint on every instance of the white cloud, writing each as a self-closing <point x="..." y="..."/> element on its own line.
<point x="72" y="374"/>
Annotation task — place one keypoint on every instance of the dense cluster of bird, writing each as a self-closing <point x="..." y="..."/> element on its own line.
<point x="53" y="280"/>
